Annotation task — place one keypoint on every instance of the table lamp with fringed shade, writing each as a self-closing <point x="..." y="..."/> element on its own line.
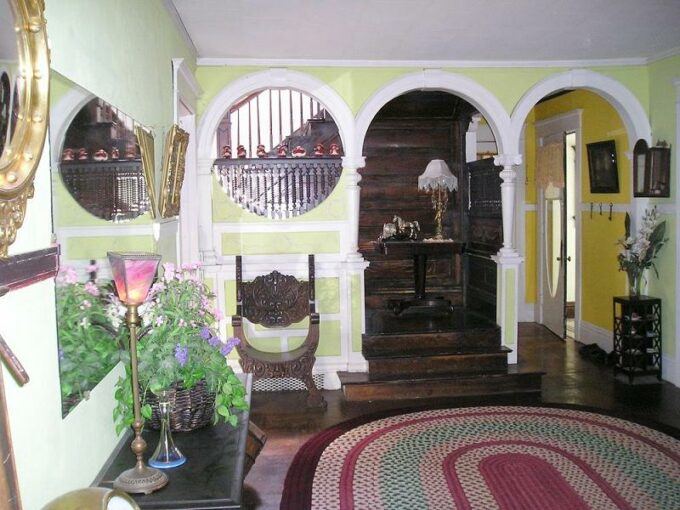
<point x="438" y="180"/>
<point x="133" y="274"/>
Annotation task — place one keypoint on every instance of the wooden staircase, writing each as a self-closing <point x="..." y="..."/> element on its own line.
<point x="419" y="356"/>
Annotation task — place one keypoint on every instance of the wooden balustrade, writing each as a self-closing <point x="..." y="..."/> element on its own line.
<point x="278" y="188"/>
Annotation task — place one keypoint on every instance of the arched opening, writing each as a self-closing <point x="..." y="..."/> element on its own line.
<point x="278" y="152"/>
<point x="577" y="191"/>
<point x="408" y="133"/>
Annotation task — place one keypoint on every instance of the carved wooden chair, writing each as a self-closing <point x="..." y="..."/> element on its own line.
<point x="276" y="300"/>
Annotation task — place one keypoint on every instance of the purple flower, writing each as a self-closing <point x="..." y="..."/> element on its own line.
<point x="205" y="333"/>
<point x="181" y="354"/>
<point x="214" y="341"/>
<point x="227" y="347"/>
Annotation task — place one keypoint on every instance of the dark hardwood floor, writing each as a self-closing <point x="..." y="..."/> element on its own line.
<point x="569" y="379"/>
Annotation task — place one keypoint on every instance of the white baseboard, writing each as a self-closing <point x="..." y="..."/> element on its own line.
<point x="591" y="334"/>
<point x="527" y="312"/>
<point x="670" y="370"/>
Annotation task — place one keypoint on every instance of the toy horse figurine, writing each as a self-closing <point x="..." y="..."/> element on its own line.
<point x="400" y="230"/>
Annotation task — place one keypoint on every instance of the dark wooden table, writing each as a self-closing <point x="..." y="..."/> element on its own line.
<point x="420" y="250"/>
<point x="212" y="477"/>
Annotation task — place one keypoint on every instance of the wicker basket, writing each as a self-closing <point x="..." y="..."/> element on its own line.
<point x="189" y="410"/>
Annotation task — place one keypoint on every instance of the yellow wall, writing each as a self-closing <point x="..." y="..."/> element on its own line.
<point x="599" y="269"/>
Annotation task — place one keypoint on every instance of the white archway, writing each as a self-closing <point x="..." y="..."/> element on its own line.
<point x="619" y="96"/>
<point x="61" y="116"/>
<point x="433" y="79"/>
<point x="280" y="78"/>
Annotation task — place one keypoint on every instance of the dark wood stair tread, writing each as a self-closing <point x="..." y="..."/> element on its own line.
<point x="358" y="386"/>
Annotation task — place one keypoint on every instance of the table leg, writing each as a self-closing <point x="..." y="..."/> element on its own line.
<point x="420" y="274"/>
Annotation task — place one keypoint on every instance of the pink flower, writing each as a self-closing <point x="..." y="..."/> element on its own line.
<point x="168" y="271"/>
<point x="218" y="314"/>
<point x="92" y="289"/>
<point x="68" y="275"/>
<point x="182" y="323"/>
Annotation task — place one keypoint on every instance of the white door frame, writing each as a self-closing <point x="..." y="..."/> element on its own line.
<point x="559" y="124"/>
<point x="186" y="92"/>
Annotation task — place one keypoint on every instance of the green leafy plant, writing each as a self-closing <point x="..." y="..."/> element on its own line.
<point x="639" y="252"/>
<point x="179" y="347"/>
<point x="89" y="346"/>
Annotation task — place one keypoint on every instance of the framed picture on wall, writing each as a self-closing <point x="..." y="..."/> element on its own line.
<point x="602" y="167"/>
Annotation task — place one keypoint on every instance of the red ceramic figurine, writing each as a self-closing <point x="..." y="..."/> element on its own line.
<point x="334" y="150"/>
<point x="282" y="152"/>
<point x="299" y="152"/>
<point x="261" y="152"/>
<point x="241" y="152"/>
<point x="115" y="154"/>
<point x="68" y="154"/>
<point x="131" y="152"/>
<point x="101" y="155"/>
<point x="226" y="151"/>
<point x="82" y="154"/>
<point x="319" y="149"/>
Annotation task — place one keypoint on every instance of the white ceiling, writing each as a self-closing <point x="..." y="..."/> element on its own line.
<point x="408" y="30"/>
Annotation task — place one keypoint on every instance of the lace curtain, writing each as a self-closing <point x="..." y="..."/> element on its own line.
<point x="550" y="165"/>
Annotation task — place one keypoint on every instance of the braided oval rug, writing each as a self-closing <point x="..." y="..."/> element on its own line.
<point x="501" y="457"/>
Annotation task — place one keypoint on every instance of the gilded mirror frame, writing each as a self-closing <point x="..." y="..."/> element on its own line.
<point x="20" y="158"/>
<point x="176" y="144"/>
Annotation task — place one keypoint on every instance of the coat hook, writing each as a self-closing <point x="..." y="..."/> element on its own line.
<point x="611" y="208"/>
<point x="591" y="210"/>
<point x="600" y="208"/>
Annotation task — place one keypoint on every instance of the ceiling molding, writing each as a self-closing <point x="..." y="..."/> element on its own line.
<point x="671" y="52"/>
<point x="177" y="20"/>
<point x="429" y="64"/>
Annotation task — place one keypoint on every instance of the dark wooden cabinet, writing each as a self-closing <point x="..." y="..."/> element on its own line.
<point x="637" y="336"/>
<point x="212" y="477"/>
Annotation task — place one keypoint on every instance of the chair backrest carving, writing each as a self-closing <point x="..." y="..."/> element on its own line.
<point x="275" y="299"/>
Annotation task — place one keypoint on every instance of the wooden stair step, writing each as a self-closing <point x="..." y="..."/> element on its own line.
<point x="424" y="344"/>
<point x="357" y="386"/>
<point x="449" y="364"/>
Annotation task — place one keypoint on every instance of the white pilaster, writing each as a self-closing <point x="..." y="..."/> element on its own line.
<point x="509" y="176"/>
<point x="205" y="237"/>
<point x="351" y="166"/>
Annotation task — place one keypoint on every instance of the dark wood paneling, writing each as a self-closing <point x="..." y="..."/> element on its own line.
<point x="404" y="137"/>
<point x="484" y="235"/>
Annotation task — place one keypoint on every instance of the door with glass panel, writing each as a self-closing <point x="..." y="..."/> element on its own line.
<point x="552" y="238"/>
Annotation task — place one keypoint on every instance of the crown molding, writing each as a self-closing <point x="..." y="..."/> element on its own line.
<point x="671" y="52"/>
<point x="177" y="20"/>
<point x="424" y="64"/>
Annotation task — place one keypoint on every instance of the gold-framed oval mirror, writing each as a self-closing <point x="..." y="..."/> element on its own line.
<point x="24" y="80"/>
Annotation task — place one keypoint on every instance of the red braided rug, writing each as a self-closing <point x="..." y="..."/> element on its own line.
<point x="529" y="458"/>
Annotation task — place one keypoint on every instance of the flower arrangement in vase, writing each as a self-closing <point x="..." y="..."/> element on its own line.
<point x="179" y="351"/>
<point x="89" y="345"/>
<point x="639" y="252"/>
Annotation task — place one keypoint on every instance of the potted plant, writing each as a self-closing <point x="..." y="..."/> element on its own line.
<point x="89" y="345"/>
<point x="639" y="252"/>
<point x="179" y="351"/>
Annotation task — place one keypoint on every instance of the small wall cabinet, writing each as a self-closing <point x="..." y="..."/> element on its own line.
<point x="637" y="336"/>
<point x="651" y="170"/>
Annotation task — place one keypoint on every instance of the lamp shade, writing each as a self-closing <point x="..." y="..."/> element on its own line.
<point x="437" y="176"/>
<point x="133" y="274"/>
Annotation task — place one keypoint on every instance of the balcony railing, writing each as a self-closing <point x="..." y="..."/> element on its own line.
<point x="278" y="188"/>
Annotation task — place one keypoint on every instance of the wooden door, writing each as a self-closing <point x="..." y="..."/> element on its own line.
<point x="484" y="235"/>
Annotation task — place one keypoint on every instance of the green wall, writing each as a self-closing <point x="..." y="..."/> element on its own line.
<point x="120" y="51"/>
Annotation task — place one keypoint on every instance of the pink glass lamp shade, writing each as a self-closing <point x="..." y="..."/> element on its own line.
<point x="133" y="274"/>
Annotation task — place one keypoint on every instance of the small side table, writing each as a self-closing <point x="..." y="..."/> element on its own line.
<point x="420" y="250"/>
<point x="212" y="477"/>
<point x="637" y="336"/>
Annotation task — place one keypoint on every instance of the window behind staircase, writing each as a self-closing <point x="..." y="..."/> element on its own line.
<point x="279" y="153"/>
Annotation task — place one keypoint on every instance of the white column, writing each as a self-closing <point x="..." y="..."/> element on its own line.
<point x="508" y="259"/>
<point x="205" y="223"/>
<point x="351" y="166"/>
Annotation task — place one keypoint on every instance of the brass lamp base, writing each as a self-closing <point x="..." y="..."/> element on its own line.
<point x="141" y="480"/>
